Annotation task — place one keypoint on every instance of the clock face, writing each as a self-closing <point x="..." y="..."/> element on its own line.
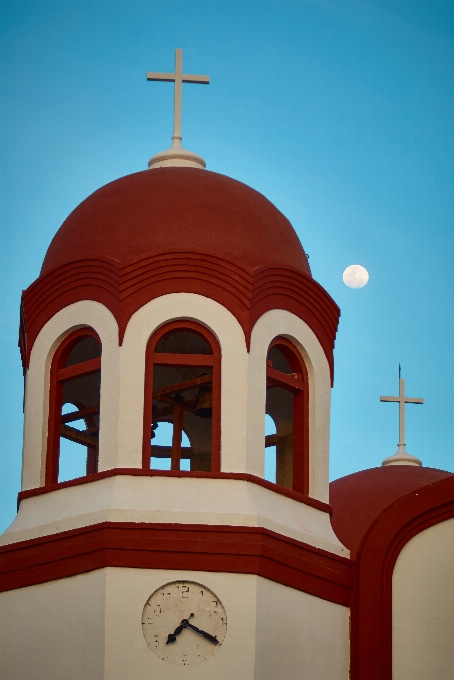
<point x="184" y="622"/>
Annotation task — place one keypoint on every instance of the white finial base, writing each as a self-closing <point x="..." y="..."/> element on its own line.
<point x="176" y="157"/>
<point x="401" y="457"/>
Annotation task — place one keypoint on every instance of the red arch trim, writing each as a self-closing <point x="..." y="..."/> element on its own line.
<point x="371" y="639"/>
<point x="124" y="290"/>
<point x="300" y="416"/>
<point x="57" y="375"/>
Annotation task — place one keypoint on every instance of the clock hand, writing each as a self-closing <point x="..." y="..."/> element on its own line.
<point x="173" y="636"/>
<point x="185" y="623"/>
<point x="207" y="636"/>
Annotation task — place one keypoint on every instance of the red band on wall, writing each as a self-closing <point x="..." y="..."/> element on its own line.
<point x="230" y="549"/>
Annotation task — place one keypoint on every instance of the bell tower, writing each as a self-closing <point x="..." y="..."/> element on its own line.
<point x="182" y="298"/>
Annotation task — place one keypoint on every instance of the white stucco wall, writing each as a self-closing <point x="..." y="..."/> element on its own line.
<point x="298" y="636"/>
<point x="187" y="500"/>
<point x="423" y="606"/>
<point x="88" y="627"/>
<point x="54" y="630"/>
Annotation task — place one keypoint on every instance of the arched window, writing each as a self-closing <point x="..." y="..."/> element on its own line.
<point x="182" y="387"/>
<point x="74" y="398"/>
<point x="287" y="403"/>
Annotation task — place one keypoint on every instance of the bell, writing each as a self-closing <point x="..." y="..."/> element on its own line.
<point x="204" y="403"/>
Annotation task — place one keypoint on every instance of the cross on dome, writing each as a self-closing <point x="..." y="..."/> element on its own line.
<point x="177" y="155"/>
<point x="402" y="457"/>
<point x="178" y="78"/>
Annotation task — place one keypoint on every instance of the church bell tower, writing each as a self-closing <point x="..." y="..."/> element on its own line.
<point x="176" y="299"/>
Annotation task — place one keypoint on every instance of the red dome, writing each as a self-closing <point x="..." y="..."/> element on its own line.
<point x="178" y="230"/>
<point x="359" y="498"/>
<point x="181" y="210"/>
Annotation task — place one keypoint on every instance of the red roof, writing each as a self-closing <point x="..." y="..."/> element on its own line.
<point x="359" y="498"/>
<point x="183" y="210"/>
<point x="178" y="230"/>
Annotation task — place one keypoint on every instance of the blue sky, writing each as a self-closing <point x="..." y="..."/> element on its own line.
<point x="341" y="113"/>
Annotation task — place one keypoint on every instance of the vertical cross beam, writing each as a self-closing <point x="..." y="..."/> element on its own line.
<point x="178" y="92"/>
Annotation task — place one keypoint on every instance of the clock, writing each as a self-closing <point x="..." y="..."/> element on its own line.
<point x="184" y="622"/>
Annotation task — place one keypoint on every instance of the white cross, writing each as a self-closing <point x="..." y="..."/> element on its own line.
<point x="402" y="400"/>
<point x="178" y="78"/>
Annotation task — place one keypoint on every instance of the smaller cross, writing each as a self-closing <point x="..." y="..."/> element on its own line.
<point x="402" y="454"/>
<point x="178" y="78"/>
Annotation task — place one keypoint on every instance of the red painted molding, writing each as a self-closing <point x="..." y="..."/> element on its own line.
<point x="138" y="472"/>
<point x="123" y="290"/>
<point x="371" y="636"/>
<point x="231" y="549"/>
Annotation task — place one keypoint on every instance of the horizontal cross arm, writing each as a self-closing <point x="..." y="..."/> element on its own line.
<point x="407" y="400"/>
<point x="168" y="77"/>
<point x="190" y="78"/>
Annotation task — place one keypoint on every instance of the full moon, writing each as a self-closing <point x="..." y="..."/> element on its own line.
<point x="355" y="276"/>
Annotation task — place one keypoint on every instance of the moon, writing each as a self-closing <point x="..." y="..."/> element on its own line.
<point x="355" y="276"/>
